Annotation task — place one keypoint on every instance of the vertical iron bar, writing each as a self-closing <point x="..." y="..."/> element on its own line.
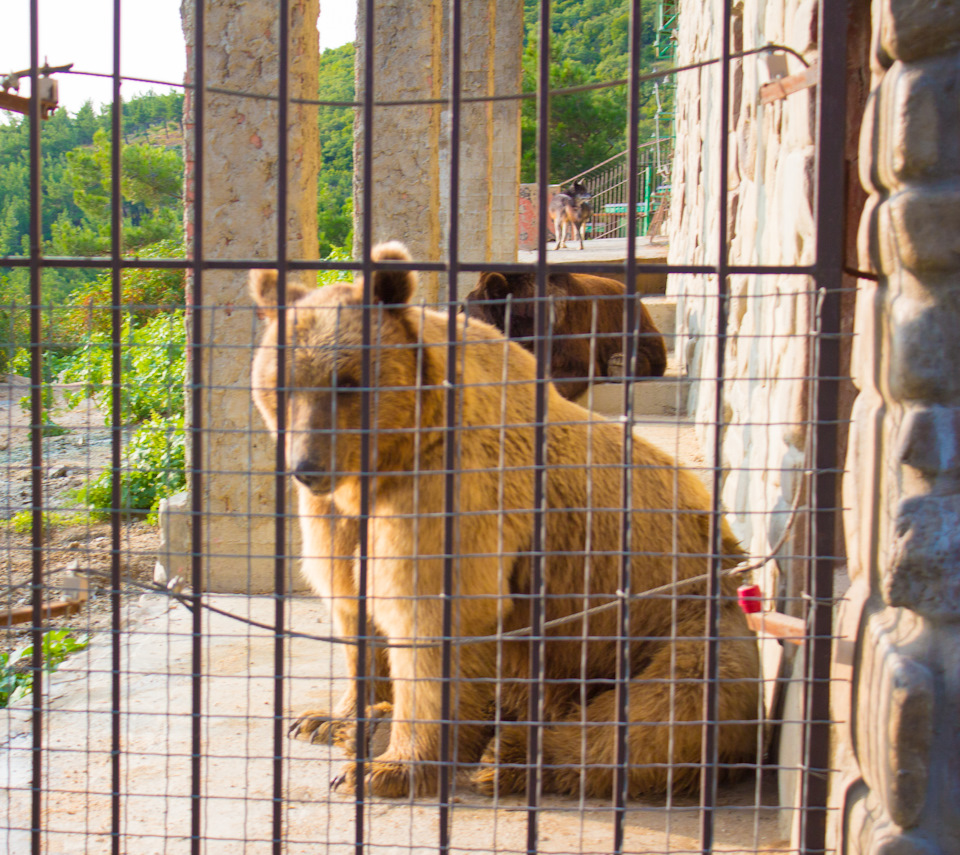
<point x="830" y="215"/>
<point x="36" y="440"/>
<point x="622" y="776"/>
<point x="280" y="485"/>
<point x="116" y="427"/>
<point x="711" y="731"/>
<point x="537" y="593"/>
<point x="196" y="437"/>
<point x="450" y="435"/>
<point x="365" y="401"/>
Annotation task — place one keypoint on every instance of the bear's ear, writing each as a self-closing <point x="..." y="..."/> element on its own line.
<point x="493" y="286"/>
<point x="263" y="289"/>
<point x="393" y="287"/>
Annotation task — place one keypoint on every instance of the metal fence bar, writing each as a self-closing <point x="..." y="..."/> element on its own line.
<point x="280" y="480"/>
<point x="541" y="325"/>
<point x="451" y="439"/>
<point x="196" y="307"/>
<point x="623" y="662"/>
<point x="116" y="431"/>
<point x="830" y="220"/>
<point x="711" y="732"/>
<point x="36" y="442"/>
<point x="363" y="682"/>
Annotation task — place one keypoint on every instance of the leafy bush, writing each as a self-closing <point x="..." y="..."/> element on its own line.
<point x="144" y="294"/>
<point x="152" y="364"/>
<point x="16" y="680"/>
<point x="152" y="468"/>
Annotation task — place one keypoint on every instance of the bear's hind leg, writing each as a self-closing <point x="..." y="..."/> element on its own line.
<point x="664" y="732"/>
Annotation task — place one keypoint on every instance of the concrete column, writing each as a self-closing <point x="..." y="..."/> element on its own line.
<point x="898" y="741"/>
<point x="410" y="196"/>
<point x="240" y="197"/>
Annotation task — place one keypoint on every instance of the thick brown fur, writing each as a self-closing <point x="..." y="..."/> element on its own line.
<point x="494" y="534"/>
<point x="573" y="347"/>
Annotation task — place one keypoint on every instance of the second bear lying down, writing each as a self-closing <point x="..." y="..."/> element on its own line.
<point x="495" y="400"/>
<point x="580" y="344"/>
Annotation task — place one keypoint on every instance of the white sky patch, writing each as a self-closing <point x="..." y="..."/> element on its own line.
<point x="151" y="39"/>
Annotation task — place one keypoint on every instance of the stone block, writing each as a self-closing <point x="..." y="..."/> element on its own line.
<point x="924" y="350"/>
<point x="174" y="557"/>
<point x="929" y="440"/>
<point x="894" y="713"/>
<point x="924" y="569"/>
<point x="869" y="831"/>
<point x="909" y="30"/>
<point x="925" y="119"/>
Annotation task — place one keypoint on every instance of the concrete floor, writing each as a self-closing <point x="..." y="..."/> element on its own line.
<point x="238" y="748"/>
<point x="238" y="759"/>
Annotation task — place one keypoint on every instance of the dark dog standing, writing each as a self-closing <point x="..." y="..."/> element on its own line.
<point x="570" y="210"/>
<point x="573" y="297"/>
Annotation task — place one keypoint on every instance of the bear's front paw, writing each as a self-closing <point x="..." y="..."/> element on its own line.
<point x="319" y="726"/>
<point x="326" y="728"/>
<point x="503" y="766"/>
<point x="389" y="779"/>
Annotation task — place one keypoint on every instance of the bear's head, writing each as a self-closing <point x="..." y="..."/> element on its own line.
<point x="488" y="302"/>
<point x="323" y="368"/>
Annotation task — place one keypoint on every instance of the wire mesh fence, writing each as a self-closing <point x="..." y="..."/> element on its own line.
<point x="503" y="520"/>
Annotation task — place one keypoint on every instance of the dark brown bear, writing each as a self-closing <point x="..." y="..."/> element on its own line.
<point x="574" y="296"/>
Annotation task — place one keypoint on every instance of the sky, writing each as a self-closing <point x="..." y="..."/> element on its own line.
<point x="81" y="32"/>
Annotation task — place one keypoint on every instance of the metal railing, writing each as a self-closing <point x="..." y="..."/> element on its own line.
<point x="608" y="185"/>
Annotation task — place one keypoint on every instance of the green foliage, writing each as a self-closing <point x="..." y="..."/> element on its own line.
<point x="16" y="676"/>
<point x="75" y="202"/>
<point x="144" y="294"/>
<point x="589" y="43"/>
<point x="22" y="521"/>
<point x="151" y="184"/>
<point x="335" y="190"/>
<point x="66" y="226"/>
<point x="152" y="469"/>
<point x="152" y="368"/>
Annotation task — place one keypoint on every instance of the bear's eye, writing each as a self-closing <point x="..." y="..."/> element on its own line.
<point x="345" y="383"/>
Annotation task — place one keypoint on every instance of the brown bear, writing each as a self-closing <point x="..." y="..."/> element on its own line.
<point x="581" y="527"/>
<point x="576" y="355"/>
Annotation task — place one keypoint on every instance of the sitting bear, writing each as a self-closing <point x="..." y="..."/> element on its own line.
<point x="580" y="532"/>
<point x="574" y="296"/>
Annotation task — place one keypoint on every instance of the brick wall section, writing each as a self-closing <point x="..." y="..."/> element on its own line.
<point x="900" y="785"/>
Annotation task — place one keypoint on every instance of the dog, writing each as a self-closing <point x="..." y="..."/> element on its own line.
<point x="570" y="209"/>
<point x="579" y="350"/>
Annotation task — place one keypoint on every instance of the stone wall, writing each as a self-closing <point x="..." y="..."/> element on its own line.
<point x="898" y="697"/>
<point x="770" y="221"/>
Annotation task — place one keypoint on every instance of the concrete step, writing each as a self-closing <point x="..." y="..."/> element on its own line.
<point x="663" y="310"/>
<point x="652" y="396"/>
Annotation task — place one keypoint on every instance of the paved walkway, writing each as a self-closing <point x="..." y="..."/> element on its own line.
<point x="603" y="250"/>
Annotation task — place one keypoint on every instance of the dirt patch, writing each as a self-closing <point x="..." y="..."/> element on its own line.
<point x="69" y="461"/>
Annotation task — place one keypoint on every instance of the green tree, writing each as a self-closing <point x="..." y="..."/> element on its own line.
<point x="151" y="181"/>
<point x="335" y="190"/>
